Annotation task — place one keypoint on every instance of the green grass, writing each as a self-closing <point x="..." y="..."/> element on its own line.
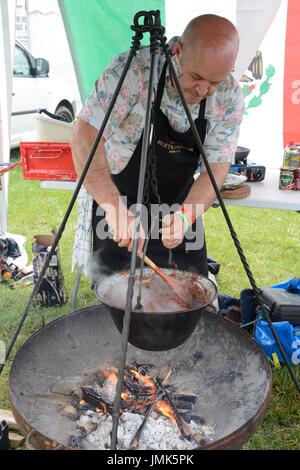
<point x="271" y="243"/>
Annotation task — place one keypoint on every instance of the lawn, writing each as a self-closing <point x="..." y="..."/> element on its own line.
<point x="270" y="240"/>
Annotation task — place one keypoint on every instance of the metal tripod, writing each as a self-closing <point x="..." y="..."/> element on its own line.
<point x="150" y="23"/>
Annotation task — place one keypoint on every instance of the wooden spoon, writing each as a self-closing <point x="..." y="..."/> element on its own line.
<point x="176" y="287"/>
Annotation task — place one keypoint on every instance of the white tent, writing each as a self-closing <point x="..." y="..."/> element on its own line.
<point x="7" y="31"/>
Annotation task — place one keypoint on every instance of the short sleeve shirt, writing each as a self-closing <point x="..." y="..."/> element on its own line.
<point x="224" y="110"/>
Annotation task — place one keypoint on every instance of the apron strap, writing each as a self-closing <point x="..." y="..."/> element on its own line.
<point x="161" y="85"/>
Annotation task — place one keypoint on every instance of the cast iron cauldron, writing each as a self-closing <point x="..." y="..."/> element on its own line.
<point x="158" y="330"/>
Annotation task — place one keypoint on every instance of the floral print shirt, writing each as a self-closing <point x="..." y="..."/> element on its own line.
<point x="224" y="111"/>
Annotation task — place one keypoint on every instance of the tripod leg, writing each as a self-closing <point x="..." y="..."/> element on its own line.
<point x="224" y="210"/>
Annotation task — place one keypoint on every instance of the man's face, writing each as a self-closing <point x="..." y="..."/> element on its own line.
<point x="202" y="72"/>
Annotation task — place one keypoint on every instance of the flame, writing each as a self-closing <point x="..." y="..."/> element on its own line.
<point x="127" y="397"/>
<point x="148" y="381"/>
<point x="165" y="409"/>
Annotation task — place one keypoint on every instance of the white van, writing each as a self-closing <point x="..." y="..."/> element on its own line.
<point x="34" y="89"/>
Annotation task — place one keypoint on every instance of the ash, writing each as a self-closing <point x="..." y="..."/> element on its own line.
<point x="158" y="434"/>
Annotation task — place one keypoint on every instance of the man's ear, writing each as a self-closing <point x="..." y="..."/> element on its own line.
<point x="177" y="48"/>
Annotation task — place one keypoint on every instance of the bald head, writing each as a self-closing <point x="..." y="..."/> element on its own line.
<point x="212" y="33"/>
<point x="206" y="52"/>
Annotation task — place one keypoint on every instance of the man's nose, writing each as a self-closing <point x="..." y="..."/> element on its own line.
<point x="202" y="87"/>
<point x="205" y="88"/>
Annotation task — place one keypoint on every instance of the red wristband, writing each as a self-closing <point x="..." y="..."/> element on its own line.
<point x="188" y="213"/>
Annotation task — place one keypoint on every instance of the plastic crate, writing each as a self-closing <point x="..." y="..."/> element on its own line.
<point x="47" y="161"/>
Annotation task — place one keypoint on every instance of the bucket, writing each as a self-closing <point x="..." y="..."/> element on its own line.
<point x="52" y="130"/>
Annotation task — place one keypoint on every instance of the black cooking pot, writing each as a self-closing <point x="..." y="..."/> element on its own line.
<point x="156" y="331"/>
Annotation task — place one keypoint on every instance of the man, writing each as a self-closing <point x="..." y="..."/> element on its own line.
<point x="205" y="53"/>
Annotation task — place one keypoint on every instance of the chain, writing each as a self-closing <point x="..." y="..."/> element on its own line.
<point x="151" y="176"/>
<point x="151" y="180"/>
<point x="153" y="172"/>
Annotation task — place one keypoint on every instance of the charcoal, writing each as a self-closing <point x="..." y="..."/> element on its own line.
<point x="197" y="419"/>
<point x="145" y="367"/>
<point x="188" y="417"/>
<point x="84" y="407"/>
<point x="75" y="442"/>
<point x="182" y="404"/>
<point x="75" y="400"/>
<point x="188" y="397"/>
<point x="132" y="386"/>
<point x="94" y="399"/>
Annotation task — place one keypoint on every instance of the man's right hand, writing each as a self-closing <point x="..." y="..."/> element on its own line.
<point x="121" y="224"/>
<point x="99" y="184"/>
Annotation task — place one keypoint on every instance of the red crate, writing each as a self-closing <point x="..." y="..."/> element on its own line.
<point x="47" y="161"/>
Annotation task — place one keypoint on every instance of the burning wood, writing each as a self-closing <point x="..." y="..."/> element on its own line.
<point x="184" y="429"/>
<point x="95" y="400"/>
<point x="146" y="399"/>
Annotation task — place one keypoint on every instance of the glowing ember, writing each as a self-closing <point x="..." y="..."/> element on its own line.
<point x="165" y="409"/>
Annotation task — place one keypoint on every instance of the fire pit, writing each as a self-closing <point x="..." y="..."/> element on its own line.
<point x="220" y="368"/>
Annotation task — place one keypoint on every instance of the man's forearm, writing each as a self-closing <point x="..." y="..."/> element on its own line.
<point x="98" y="181"/>
<point x="202" y="194"/>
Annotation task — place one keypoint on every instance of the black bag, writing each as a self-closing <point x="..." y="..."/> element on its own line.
<point x="285" y="305"/>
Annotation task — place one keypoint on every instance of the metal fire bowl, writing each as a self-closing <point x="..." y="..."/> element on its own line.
<point x="219" y="363"/>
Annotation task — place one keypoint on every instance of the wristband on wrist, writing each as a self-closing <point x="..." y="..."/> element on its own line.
<point x="188" y="213"/>
<point x="184" y="219"/>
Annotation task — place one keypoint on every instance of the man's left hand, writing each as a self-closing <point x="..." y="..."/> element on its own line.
<point x="172" y="231"/>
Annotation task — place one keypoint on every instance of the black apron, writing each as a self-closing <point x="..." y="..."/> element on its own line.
<point x="177" y="159"/>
